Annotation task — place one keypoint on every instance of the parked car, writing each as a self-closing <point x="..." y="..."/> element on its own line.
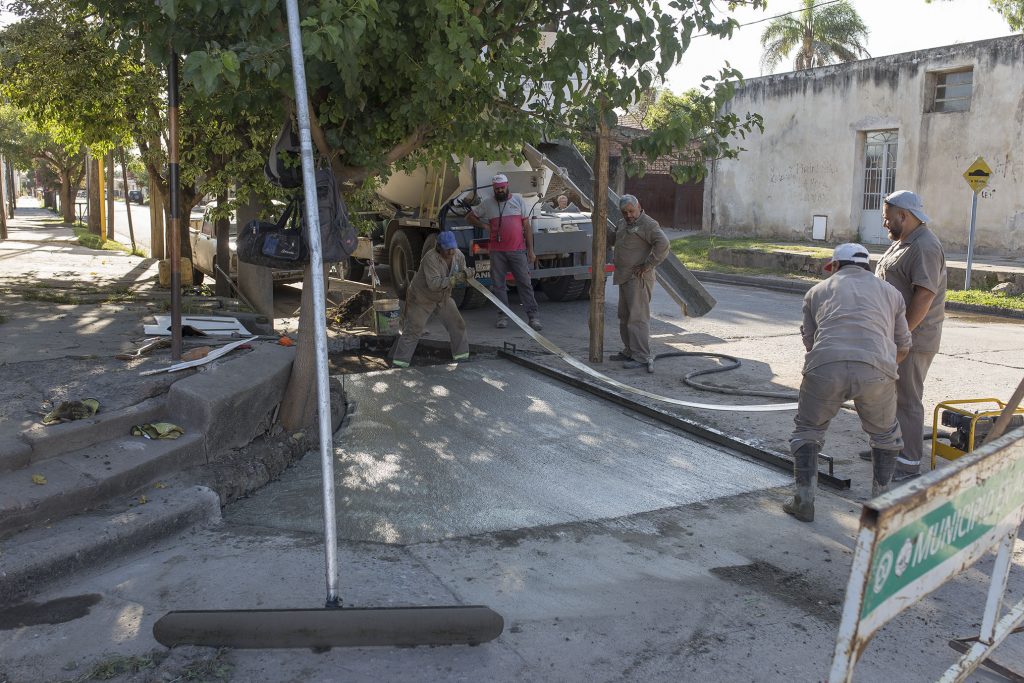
<point x="136" y="196"/>
<point x="203" y="238"/>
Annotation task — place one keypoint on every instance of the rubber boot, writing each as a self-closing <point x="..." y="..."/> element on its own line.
<point x="883" y="463"/>
<point x="805" y="471"/>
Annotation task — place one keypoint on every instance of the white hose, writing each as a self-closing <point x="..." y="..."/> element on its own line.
<point x="583" y="367"/>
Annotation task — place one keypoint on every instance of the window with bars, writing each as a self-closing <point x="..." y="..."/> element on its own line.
<point x="953" y="91"/>
<point x="879" y="168"/>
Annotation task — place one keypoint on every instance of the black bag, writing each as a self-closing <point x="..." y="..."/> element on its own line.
<point x="283" y="167"/>
<point x="338" y="237"/>
<point x="274" y="245"/>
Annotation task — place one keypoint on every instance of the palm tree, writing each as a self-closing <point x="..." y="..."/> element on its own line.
<point x="822" y="34"/>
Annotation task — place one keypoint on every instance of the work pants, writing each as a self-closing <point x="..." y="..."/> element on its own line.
<point x="635" y="318"/>
<point x="415" y="318"/>
<point x="515" y="262"/>
<point x="910" y="410"/>
<point x="826" y="388"/>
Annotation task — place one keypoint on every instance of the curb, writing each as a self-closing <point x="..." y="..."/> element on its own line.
<point x="795" y="287"/>
<point x="44" y="555"/>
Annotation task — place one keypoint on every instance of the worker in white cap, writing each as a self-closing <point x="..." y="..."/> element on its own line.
<point x="855" y="332"/>
<point x="505" y="217"/>
<point x="640" y="245"/>
<point x="429" y="295"/>
<point x="915" y="265"/>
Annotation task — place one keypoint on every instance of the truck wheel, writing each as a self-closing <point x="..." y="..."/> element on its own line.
<point x="564" y="288"/>
<point x="469" y="298"/>
<point x="404" y="259"/>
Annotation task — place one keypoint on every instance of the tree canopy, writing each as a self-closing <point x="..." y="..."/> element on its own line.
<point x="820" y="36"/>
<point x="393" y="81"/>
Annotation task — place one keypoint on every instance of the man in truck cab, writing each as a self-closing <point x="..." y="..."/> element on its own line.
<point x="507" y="221"/>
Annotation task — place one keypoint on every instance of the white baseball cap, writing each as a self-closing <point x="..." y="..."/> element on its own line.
<point x="850" y="252"/>
<point x="499" y="180"/>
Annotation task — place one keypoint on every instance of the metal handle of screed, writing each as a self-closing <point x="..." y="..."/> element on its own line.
<point x="319" y="305"/>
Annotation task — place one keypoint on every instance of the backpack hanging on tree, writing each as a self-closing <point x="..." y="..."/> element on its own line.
<point x="273" y="245"/>
<point x="338" y="237"/>
<point x="283" y="167"/>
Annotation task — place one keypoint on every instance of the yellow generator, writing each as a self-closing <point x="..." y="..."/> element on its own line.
<point x="970" y="427"/>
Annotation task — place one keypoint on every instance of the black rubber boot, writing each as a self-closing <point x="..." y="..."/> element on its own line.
<point x="805" y="471"/>
<point x="883" y="463"/>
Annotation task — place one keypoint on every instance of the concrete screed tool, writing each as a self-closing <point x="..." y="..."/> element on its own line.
<point x="333" y="625"/>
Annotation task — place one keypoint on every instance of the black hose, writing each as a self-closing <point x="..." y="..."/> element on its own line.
<point x="734" y="363"/>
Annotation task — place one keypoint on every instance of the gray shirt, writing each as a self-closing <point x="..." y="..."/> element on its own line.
<point x="644" y="242"/>
<point x="919" y="261"/>
<point x="432" y="283"/>
<point x="854" y="316"/>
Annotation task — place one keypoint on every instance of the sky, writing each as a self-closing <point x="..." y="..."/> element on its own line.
<point x="895" y="26"/>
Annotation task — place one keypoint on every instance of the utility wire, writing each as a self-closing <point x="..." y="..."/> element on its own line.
<point x="777" y="16"/>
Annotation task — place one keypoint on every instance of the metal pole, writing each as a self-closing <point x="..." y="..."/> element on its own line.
<point x="312" y="232"/>
<point x="970" y="242"/>
<point x="599" y="221"/>
<point x="127" y="202"/>
<point x="173" y="183"/>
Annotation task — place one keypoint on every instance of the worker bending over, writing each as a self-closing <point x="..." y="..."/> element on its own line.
<point x="855" y="332"/>
<point x="430" y="294"/>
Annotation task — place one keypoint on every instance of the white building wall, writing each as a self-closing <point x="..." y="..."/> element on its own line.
<point x="810" y="158"/>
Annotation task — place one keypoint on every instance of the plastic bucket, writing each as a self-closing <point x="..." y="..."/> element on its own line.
<point x="386" y="316"/>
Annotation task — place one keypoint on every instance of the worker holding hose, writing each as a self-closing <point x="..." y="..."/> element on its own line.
<point x="855" y="332"/>
<point x="640" y="245"/>
<point x="430" y="294"/>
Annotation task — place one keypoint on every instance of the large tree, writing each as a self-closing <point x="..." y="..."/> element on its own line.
<point x="87" y="78"/>
<point x="408" y="81"/>
<point x="25" y="145"/>
<point x="819" y="35"/>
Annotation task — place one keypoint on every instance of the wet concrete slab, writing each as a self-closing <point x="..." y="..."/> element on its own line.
<point x="451" y="451"/>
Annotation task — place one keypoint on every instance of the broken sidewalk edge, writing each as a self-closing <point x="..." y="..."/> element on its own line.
<point x="43" y="555"/>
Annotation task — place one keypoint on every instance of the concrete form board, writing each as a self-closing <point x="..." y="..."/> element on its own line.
<point x="439" y="452"/>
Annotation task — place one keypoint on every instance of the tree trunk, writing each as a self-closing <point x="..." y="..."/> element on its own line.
<point x="11" y="199"/>
<point x="3" y="204"/>
<point x="156" y="218"/>
<point x="94" y="195"/>
<point x="109" y="177"/>
<point x="299" y="405"/>
<point x="223" y="227"/>
<point x="67" y="196"/>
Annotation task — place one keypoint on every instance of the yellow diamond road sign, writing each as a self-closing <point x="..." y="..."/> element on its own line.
<point x="977" y="175"/>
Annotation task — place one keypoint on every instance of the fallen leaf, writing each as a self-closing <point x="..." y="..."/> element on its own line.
<point x="143" y="500"/>
<point x="38" y="479"/>
<point x="285" y="341"/>
<point x="159" y="485"/>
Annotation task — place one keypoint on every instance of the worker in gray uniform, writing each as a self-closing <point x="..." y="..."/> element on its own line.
<point x="855" y="332"/>
<point x="640" y="245"/>
<point x="915" y="265"/>
<point x="430" y="294"/>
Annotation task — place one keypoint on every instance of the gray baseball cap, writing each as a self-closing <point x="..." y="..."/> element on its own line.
<point x="905" y="199"/>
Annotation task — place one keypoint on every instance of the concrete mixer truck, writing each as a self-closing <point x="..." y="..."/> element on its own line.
<point x="429" y="199"/>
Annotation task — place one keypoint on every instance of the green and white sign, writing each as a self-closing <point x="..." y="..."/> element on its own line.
<point x="941" y="541"/>
<point x="915" y="539"/>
